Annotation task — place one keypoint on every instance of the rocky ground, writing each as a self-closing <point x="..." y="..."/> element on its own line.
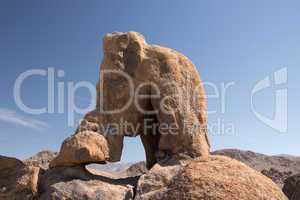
<point x="32" y="179"/>
<point x="278" y="167"/>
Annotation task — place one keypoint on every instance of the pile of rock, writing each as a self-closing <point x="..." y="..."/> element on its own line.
<point x="22" y="181"/>
<point x="216" y="177"/>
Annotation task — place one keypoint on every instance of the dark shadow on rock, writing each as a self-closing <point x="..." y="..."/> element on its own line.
<point x="65" y="174"/>
<point x="291" y="187"/>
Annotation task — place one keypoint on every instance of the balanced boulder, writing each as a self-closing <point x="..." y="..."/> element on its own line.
<point x="82" y="148"/>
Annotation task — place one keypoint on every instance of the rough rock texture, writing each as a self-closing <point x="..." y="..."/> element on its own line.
<point x="177" y="97"/>
<point x="17" y="181"/>
<point x="173" y="104"/>
<point x="214" y="178"/>
<point x="41" y="159"/>
<point x="82" y="148"/>
<point x="278" y="168"/>
<point x="292" y="187"/>
<point x="78" y="183"/>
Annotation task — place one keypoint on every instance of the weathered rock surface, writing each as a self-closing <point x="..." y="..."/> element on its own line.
<point x="78" y="183"/>
<point x="172" y="91"/>
<point x="214" y="178"/>
<point x="278" y="168"/>
<point x="17" y="181"/>
<point x="292" y="187"/>
<point x="82" y="148"/>
<point x="131" y="68"/>
<point x="95" y="122"/>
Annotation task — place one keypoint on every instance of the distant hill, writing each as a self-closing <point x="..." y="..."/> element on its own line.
<point x="278" y="167"/>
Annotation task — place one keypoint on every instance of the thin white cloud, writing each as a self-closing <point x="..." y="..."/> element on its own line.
<point x="10" y="116"/>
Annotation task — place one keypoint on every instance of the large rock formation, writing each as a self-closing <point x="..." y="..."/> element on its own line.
<point x="154" y="92"/>
<point x="17" y="181"/>
<point x="214" y="178"/>
<point x="146" y="90"/>
<point x="292" y="187"/>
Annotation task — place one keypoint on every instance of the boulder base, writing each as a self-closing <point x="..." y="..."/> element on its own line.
<point x="214" y="178"/>
<point x="64" y="183"/>
<point x="88" y="190"/>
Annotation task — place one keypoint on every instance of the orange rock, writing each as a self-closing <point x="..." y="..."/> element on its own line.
<point x="214" y="178"/>
<point x="82" y="148"/>
<point x="146" y="84"/>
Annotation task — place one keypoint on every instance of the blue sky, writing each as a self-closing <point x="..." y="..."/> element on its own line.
<point x="229" y="41"/>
